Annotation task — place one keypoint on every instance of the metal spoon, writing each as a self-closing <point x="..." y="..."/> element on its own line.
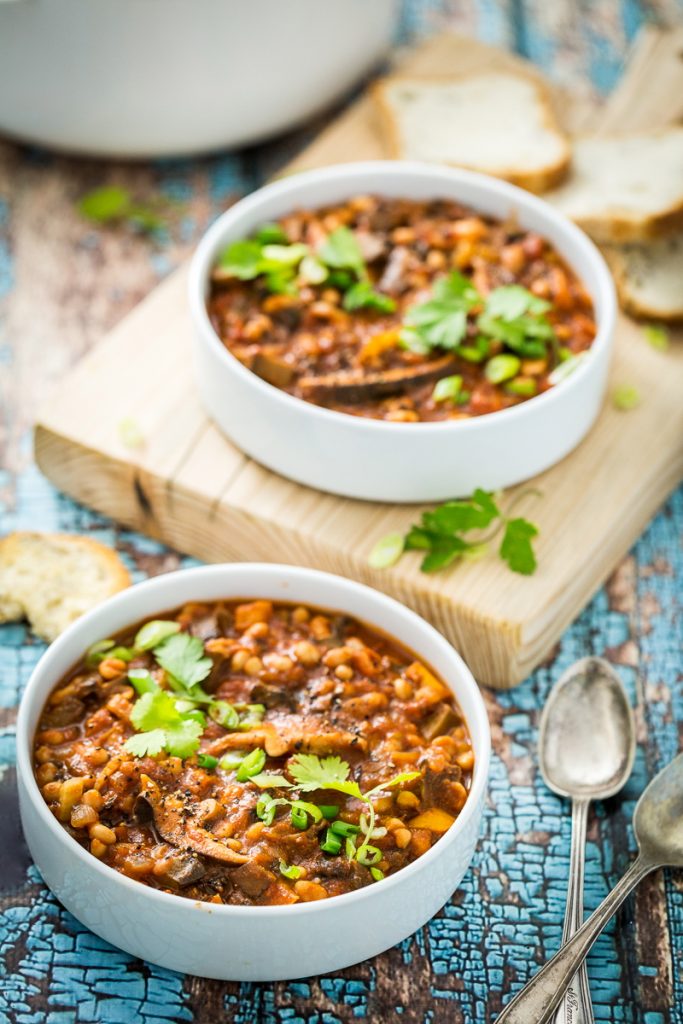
<point x="587" y="744"/>
<point x="658" y="824"/>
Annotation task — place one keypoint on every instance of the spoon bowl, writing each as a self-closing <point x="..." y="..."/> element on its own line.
<point x="587" y="733"/>
<point x="658" y="818"/>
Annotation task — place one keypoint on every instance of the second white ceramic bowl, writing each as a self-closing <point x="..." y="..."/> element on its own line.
<point x="233" y="942"/>
<point x="405" y="462"/>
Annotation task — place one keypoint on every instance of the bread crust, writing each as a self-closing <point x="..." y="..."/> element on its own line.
<point x="23" y="548"/>
<point x="550" y="176"/>
<point x="625" y="231"/>
<point x="628" y="299"/>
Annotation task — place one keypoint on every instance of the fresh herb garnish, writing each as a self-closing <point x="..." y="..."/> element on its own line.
<point x="154" y="633"/>
<point x="112" y="204"/>
<point x="183" y="658"/>
<point x="290" y="871"/>
<point x="625" y="397"/>
<point x="162" y="727"/>
<point x="441" y="533"/>
<point x="363" y="296"/>
<point x="510" y="315"/>
<point x="341" y="251"/>
<point x="310" y="773"/>
<point x="207" y="761"/>
<point x="449" y="389"/>
<point x="252" y="764"/>
<point x="656" y="336"/>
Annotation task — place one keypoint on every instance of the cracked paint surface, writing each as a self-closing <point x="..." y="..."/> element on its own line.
<point x="506" y="918"/>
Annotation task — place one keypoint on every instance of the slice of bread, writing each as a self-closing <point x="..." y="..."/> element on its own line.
<point x="52" y="578"/>
<point x="650" y="278"/>
<point x="627" y="188"/>
<point x="495" y="122"/>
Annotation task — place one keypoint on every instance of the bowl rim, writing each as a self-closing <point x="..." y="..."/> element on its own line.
<point x="604" y="292"/>
<point x="36" y="692"/>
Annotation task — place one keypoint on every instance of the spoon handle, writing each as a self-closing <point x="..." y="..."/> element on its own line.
<point x="538" y="1000"/>
<point x="576" y="1006"/>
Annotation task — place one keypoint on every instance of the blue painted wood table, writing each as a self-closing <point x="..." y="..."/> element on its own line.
<point x="61" y="285"/>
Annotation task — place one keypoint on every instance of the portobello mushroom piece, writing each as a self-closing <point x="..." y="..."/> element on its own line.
<point x="352" y="386"/>
<point x="183" y="869"/>
<point x="252" y="879"/>
<point x="271" y="367"/>
<point x="174" y="821"/>
<point x="437" y="787"/>
<point x="67" y="712"/>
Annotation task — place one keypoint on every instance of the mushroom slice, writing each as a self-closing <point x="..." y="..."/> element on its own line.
<point x="352" y="386"/>
<point x="178" y="827"/>
<point x="271" y="367"/>
<point x="290" y="733"/>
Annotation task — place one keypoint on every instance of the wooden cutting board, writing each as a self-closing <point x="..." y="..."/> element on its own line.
<point x="189" y="487"/>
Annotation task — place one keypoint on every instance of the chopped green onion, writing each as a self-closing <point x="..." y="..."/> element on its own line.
<point x="207" y="761"/>
<point x="229" y="762"/>
<point x="447" y="389"/>
<point x="224" y="714"/>
<point x="153" y="633"/>
<point x="251" y="765"/>
<point x="266" y="807"/>
<point x="377" y="874"/>
<point x="329" y="811"/>
<point x="368" y="855"/>
<point x="344" y="828"/>
<point x="656" y="336"/>
<point x="312" y="809"/>
<point x="268" y="780"/>
<point x="350" y="847"/>
<point x="332" y="843"/>
<point x="271" y="234"/>
<point x="312" y="271"/>
<point x="98" y="652"/>
<point x="286" y="255"/>
<point x="501" y="368"/>
<point x="625" y="397"/>
<point x="299" y="818"/>
<point x="386" y="551"/>
<point x="290" y="870"/>
<point x="524" y="386"/>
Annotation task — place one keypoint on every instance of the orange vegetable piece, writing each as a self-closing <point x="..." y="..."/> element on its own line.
<point x="434" y="819"/>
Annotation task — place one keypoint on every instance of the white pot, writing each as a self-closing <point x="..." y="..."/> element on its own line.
<point x="169" y="77"/>
<point x="249" y="943"/>
<point x="405" y="462"/>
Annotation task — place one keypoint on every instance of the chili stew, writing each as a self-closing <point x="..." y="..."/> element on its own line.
<point x="245" y="752"/>
<point x="401" y="310"/>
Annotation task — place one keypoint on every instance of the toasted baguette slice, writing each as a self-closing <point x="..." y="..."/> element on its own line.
<point x="495" y="122"/>
<point x="650" y="278"/>
<point x="52" y="578"/>
<point x="627" y="188"/>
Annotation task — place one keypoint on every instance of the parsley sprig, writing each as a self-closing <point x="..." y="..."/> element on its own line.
<point x="173" y="720"/>
<point x="510" y="316"/>
<point x="283" y="266"/>
<point x="442" y="534"/>
<point x="312" y="773"/>
<point x="112" y="204"/>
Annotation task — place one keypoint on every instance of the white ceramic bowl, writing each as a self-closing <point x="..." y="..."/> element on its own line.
<point x="374" y="459"/>
<point x="168" y="77"/>
<point x="249" y="943"/>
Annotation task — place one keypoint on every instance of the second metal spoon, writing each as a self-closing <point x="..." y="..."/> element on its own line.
<point x="586" y="749"/>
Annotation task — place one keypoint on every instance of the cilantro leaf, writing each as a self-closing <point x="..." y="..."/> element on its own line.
<point x="363" y="296"/>
<point x="146" y="744"/>
<point x="443" y="553"/>
<point x="511" y="301"/>
<point x="157" y="718"/>
<point x="441" y="322"/>
<point x="242" y="259"/>
<point x="442" y="535"/>
<point x="312" y="772"/>
<point x="105" y="204"/>
<point x="341" y="251"/>
<point x="516" y="547"/>
<point x="182" y="656"/>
